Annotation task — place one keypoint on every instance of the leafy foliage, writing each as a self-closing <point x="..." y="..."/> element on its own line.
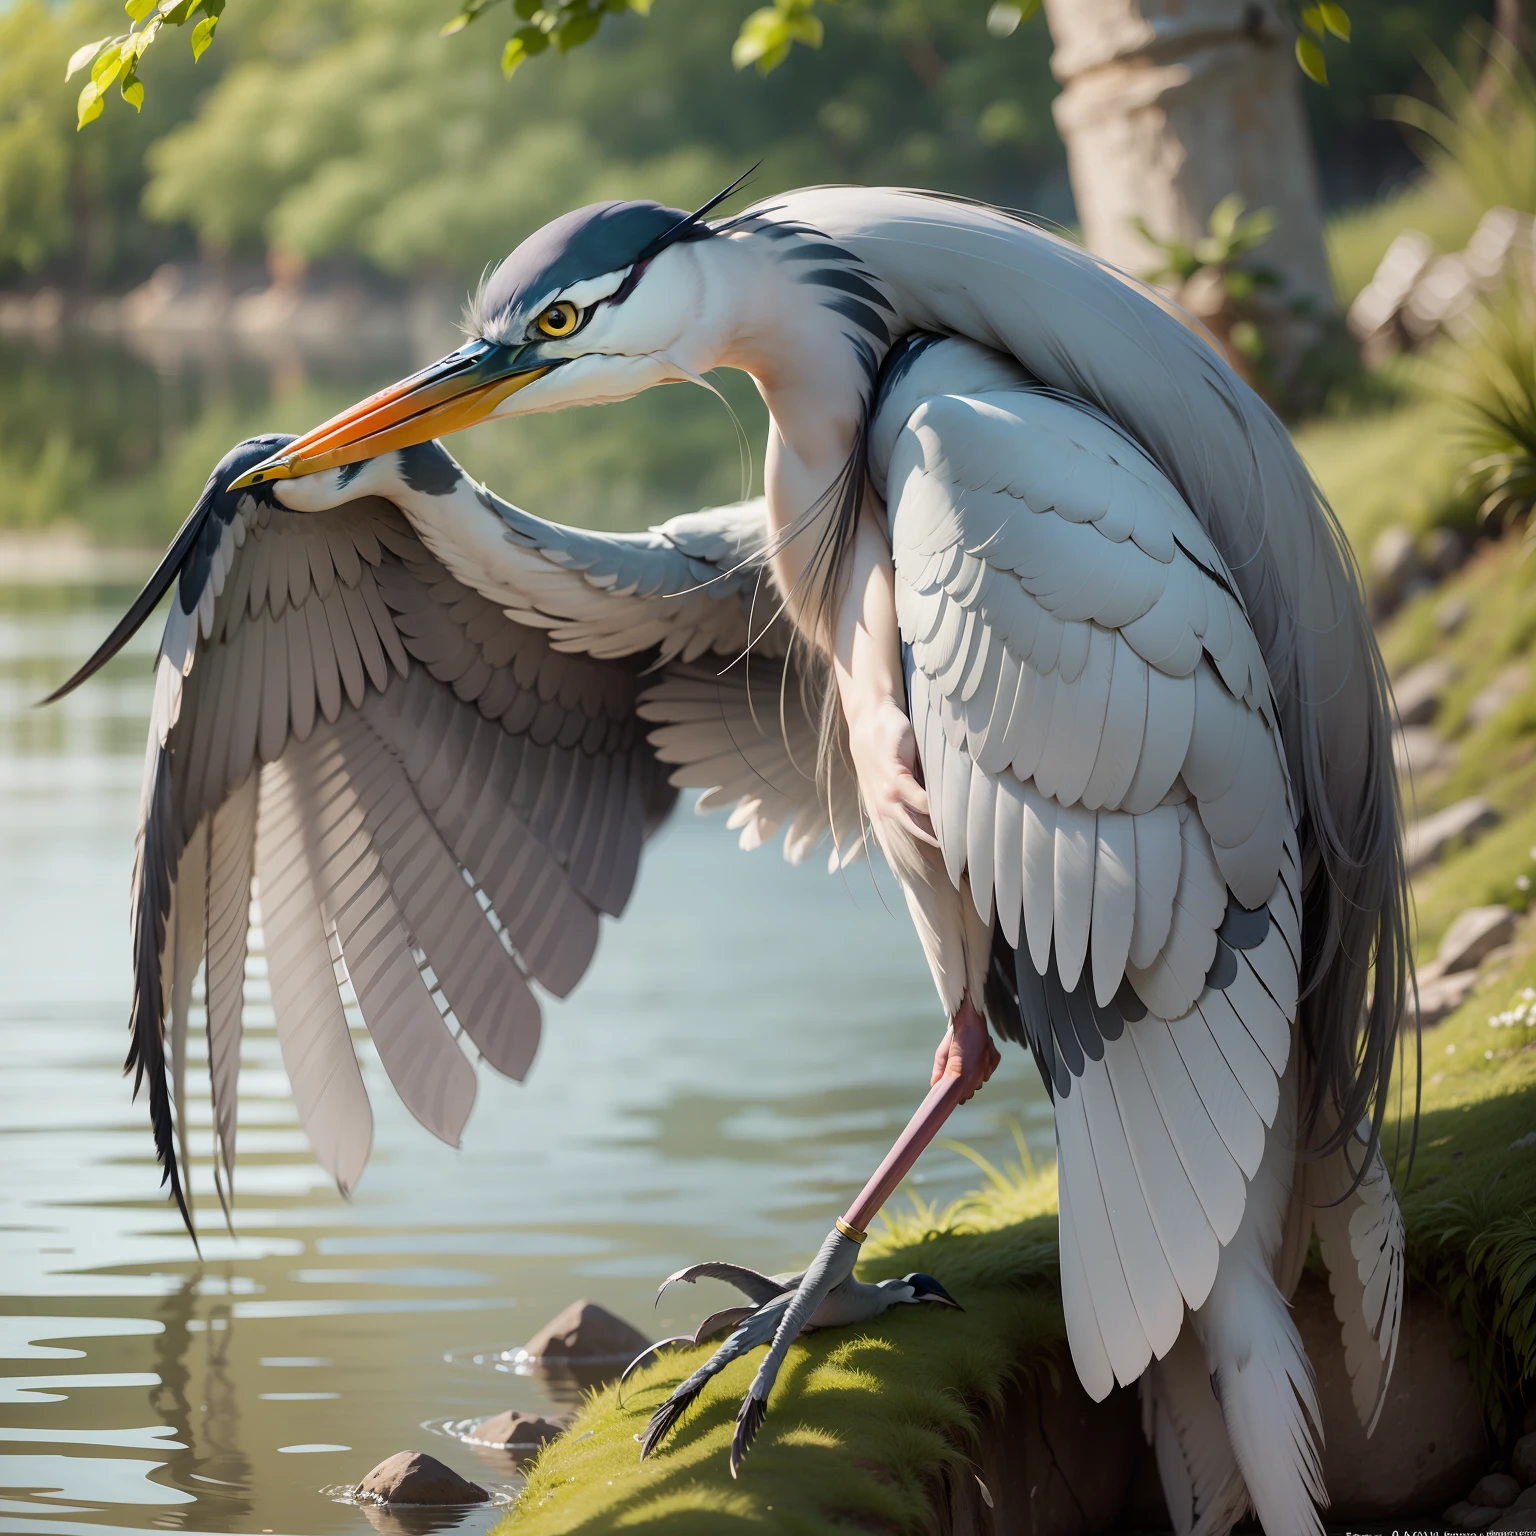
<point x="69" y="204"/>
<point x="1230" y="235"/>
<point x="374" y="140"/>
<point x="1478" y="136"/>
<point x="764" y="40"/>
<point x="565" y="23"/>
<point x="116" y="59"/>
<point x="1497" y="392"/>
<point x="1318" y="22"/>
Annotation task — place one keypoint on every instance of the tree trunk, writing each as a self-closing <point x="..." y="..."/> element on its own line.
<point x="1169" y="106"/>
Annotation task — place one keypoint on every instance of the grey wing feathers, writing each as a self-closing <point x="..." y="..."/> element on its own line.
<point x="1105" y="773"/>
<point x="683" y="589"/>
<point x="433" y="803"/>
<point x="746" y="734"/>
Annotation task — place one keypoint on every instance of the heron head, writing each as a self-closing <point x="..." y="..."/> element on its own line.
<point x="923" y="1288"/>
<point x="598" y="305"/>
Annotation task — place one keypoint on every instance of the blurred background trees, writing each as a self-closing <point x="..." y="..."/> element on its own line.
<point x="283" y="212"/>
<point x="349" y="130"/>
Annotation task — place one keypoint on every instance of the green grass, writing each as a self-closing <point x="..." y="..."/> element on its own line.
<point x="1470" y="1205"/>
<point x="865" y="1421"/>
<point x="1397" y="465"/>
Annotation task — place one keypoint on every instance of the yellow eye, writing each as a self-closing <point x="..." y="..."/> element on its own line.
<point x="559" y="319"/>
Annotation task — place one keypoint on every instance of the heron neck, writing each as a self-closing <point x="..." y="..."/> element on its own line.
<point x="815" y="388"/>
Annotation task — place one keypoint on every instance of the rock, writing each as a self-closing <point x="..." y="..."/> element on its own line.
<point x="1441" y="996"/>
<point x="516" y="1430"/>
<point x="411" y="1477"/>
<point x="1418" y="751"/>
<point x="1515" y="1520"/>
<point x="1500" y="233"/>
<point x="1522" y="1461"/>
<point x="586" y="1331"/>
<point x="1429" y="1443"/>
<point x="1049" y="1450"/>
<point x="1419" y="690"/>
<point x="1493" y="700"/>
<point x="1498" y="1490"/>
<point x="1444" y="293"/>
<point x="1473" y="935"/>
<point x="1428" y="838"/>
<point x="1527" y="1499"/>
<point x="1395" y="571"/>
<point x="1451" y="614"/>
<point x="1373" y="314"/>
<point x="1445" y="552"/>
<point x="1469" y="1517"/>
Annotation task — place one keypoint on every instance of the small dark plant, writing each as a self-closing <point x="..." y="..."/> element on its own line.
<point x="1496" y="391"/>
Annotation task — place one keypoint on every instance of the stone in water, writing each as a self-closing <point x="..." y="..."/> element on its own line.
<point x="516" y="1430"/>
<point x="586" y="1331"/>
<point x="410" y="1477"/>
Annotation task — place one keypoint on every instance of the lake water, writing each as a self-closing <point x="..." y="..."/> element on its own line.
<point x="745" y="1047"/>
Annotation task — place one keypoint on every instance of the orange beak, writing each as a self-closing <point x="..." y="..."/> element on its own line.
<point x="453" y="393"/>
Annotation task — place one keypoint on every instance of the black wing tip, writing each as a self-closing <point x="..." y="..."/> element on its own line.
<point x="214" y="499"/>
<point x="753" y="1411"/>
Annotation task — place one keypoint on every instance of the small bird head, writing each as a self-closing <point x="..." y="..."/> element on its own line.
<point x="921" y="1287"/>
<point x="558" y="323"/>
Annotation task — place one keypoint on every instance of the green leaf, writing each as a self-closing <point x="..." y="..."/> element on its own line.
<point x="133" y="91"/>
<point x="642" y="6"/>
<point x="1225" y="214"/>
<point x="1312" y="19"/>
<point x="138" y="43"/>
<point x="139" y="9"/>
<point x="763" y="40"/>
<point x="527" y="9"/>
<point x="177" y="12"/>
<point x="83" y="56"/>
<point x="458" y="24"/>
<point x="108" y="58"/>
<point x="1336" y="19"/>
<point x="1310" y="57"/>
<point x="806" y="28"/>
<point x="89" y="106"/>
<point x="577" y="30"/>
<point x="202" y="35"/>
<point x="512" y="56"/>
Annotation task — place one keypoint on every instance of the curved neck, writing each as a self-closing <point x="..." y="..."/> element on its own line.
<point x="810" y="364"/>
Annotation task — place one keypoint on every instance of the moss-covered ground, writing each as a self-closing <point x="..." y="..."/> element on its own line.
<point x="864" y="1422"/>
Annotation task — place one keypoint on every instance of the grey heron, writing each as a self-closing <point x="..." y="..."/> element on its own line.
<point x="1040" y="594"/>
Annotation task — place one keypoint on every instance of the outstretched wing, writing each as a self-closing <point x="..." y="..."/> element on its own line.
<point x="1095" y="728"/>
<point x="435" y="801"/>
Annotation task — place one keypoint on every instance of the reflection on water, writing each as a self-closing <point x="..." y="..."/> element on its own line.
<point x="746" y="1045"/>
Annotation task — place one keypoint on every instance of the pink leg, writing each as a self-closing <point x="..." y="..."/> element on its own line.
<point x="971" y="1058"/>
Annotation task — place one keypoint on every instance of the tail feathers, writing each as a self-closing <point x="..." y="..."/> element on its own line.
<point x="1201" y="1481"/>
<point x="1264" y="1383"/>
